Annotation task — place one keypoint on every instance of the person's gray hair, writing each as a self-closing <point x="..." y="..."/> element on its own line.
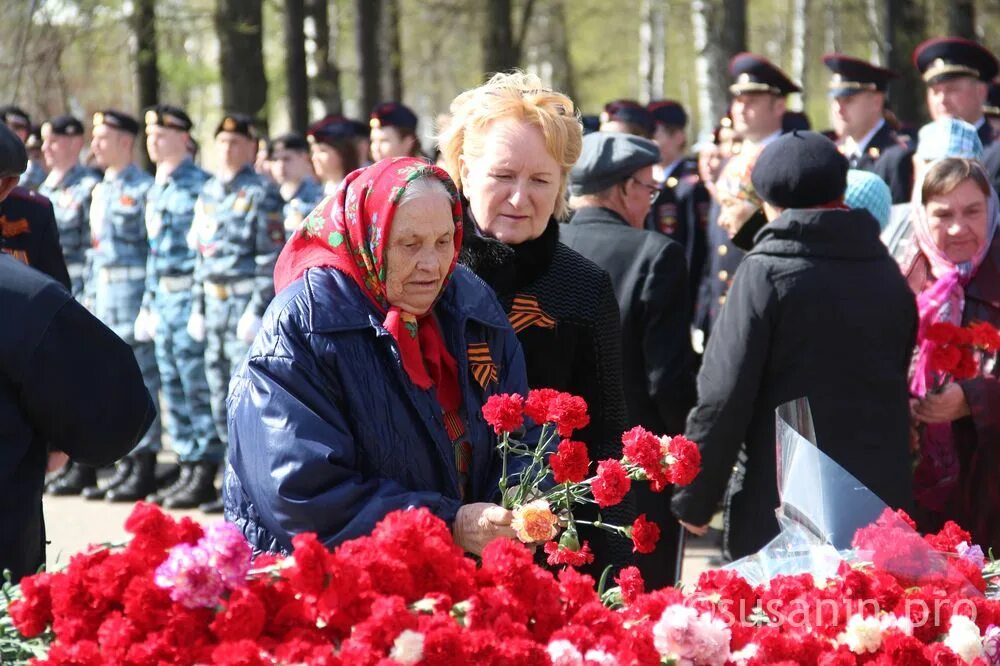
<point x="425" y="185"/>
<point x="13" y="155"/>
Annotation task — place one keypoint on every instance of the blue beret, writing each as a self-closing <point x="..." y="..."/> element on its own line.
<point x="668" y="112"/>
<point x="393" y="114"/>
<point x="608" y="158"/>
<point x="800" y="170"/>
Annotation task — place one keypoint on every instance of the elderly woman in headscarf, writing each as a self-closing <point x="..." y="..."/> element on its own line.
<point x="359" y="396"/>
<point x="955" y="272"/>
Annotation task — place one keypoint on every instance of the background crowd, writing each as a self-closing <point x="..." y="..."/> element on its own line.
<point x="326" y="314"/>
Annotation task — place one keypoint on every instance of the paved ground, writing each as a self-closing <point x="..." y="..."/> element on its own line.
<point x="73" y="523"/>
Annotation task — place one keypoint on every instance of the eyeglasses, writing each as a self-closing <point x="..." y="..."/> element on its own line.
<point x="654" y="190"/>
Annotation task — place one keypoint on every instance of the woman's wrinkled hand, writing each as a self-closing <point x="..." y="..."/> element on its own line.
<point x="945" y="406"/>
<point x="476" y="525"/>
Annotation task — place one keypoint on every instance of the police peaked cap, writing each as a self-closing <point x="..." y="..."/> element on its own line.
<point x="393" y="114"/>
<point x="853" y="75"/>
<point x="951" y="57"/>
<point x="756" y="74"/>
<point x="117" y="120"/>
<point x="668" y="112"/>
<point x="800" y="170"/>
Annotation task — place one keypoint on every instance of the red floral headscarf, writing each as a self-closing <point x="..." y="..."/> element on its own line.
<point x="349" y="231"/>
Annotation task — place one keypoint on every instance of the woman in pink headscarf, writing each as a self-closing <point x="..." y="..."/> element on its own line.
<point x="955" y="273"/>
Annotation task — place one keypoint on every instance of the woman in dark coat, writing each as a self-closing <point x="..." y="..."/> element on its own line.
<point x="818" y="310"/>
<point x="358" y="396"/>
<point x="509" y="146"/>
<point x="956" y="275"/>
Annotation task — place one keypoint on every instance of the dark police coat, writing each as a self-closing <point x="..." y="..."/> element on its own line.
<point x="819" y="310"/>
<point x="67" y="383"/>
<point x="680" y="211"/>
<point x="889" y="158"/>
<point x="649" y="276"/>
<point x="28" y="232"/>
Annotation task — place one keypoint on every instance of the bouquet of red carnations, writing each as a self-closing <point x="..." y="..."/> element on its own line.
<point x="550" y="484"/>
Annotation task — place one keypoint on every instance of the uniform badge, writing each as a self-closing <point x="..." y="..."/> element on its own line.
<point x="11" y="228"/>
<point x="525" y="311"/>
<point x="484" y="370"/>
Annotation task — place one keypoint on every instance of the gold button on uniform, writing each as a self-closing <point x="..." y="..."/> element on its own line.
<point x="723" y="275"/>
<point x="723" y="250"/>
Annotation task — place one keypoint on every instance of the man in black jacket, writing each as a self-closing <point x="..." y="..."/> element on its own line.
<point x="818" y="309"/>
<point x="612" y="186"/>
<point x="68" y="386"/>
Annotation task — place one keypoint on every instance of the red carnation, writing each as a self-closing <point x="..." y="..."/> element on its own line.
<point x="559" y="555"/>
<point x="944" y="358"/>
<point x="631" y="583"/>
<point x="642" y="448"/>
<point x="944" y="333"/>
<point x="685" y="460"/>
<point x="645" y="534"/>
<point x="571" y="463"/>
<point x="985" y="337"/>
<point x="611" y="484"/>
<point x="569" y="413"/>
<point x="537" y="405"/>
<point x="503" y="412"/>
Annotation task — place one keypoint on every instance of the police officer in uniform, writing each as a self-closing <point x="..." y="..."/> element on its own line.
<point x="292" y="170"/>
<point x="864" y="136"/>
<point x="680" y="211"/>
<point x="27" y="225"/>
<point x="758" y="109"/>
<point x="166" y="308"/>
<point x="116" y="280"/>
<point x="19" y="121"/>
<point x="393" y="131"/>
<point x="238" y="232"/>
<point x="68" y="186"/>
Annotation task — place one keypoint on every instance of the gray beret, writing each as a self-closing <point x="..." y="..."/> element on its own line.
<point x="13" y="156"/>
<point x="609" y="158"/>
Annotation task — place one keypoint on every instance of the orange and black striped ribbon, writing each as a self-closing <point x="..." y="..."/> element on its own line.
<point x="525" y="312"/>
<point x="481" y="364"/>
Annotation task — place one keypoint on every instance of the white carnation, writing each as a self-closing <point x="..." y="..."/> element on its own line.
<point x="964" y="639"/>
<point x="408" y="648"/>
<point x="862" y="634"/>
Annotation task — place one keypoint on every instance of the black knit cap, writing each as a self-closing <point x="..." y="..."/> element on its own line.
<point x="116" y="120"/>
<point x="237" y="123"/>
<point x="668" y="112"/>
<point x="166" y="115"/>
<point x="800" y="170"/>
<point x="852" y="75"/>
<point x="628" y="111"/>
<point x="64" y="125"/>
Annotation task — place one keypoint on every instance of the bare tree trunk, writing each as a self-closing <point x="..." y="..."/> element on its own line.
<point x="295" y="65"/>
<point x="325" y="83"/>
<point x="392" y="55"/>
<point x="962" y="18"/>
<point x="905" y="28"/>
<point x="719" y="28"/>
<point x="369" y="63"/>
<point x="800" y="38"/>
<point x="238" y="24"/>
<point x="147" y="72"/>
<point x="652" y="49"/>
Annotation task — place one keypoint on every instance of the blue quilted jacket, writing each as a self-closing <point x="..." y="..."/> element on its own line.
<point x="327" y="434"/>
